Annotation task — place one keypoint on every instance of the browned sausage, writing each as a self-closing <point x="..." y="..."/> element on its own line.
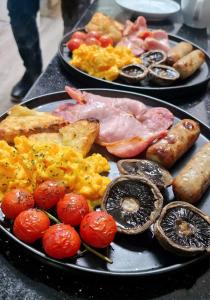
<point x="194" y="179"/>
<point x="178" y="52"/>
<point x="190" y="63"/>
<point x="178" y="140"/>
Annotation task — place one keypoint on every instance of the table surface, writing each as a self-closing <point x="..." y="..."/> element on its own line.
<point x="24" y="277"/>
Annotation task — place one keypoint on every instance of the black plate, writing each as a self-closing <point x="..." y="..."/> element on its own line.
<point x="139" y="255"/>
<point x="195" y="83"/>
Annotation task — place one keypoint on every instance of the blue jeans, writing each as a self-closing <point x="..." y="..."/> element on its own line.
<point x="23" y="22"/>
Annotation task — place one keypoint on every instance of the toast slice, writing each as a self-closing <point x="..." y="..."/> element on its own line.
<point x="79" y="135"/>
<point x="24" y="121"/>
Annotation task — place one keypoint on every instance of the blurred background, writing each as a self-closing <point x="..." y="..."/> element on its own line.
<point x="50" y="25"/>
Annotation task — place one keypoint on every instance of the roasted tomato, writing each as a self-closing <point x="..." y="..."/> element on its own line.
<point x="79" y="35"/>
<point x="72" y="208"/>
<point x="94" y="34"/>
<point x="98" y="229"/>
<point x="61" y="241"/>
<point x="16" y="201"/>
<point x="48" y="193"/>
<point x="30" y="225"/>
<point x="92" y="41"/>
<point x="105" y="41"/>
<point x="74" y="43"/>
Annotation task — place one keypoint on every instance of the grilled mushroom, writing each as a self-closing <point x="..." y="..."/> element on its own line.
<point x="162" y="75"/>
<point x="134" y="202"/>
<point x="153" y="57"/>
<point x="133" y="73"/>
<point x="183" y="229"/>
<point x="143" y="167"/>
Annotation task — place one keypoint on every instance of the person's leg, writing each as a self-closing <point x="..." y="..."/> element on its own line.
<point x="23" y="22"/>
<point x="72" y="10"/>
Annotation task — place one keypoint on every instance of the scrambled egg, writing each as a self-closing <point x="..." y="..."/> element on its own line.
<point x="102" y="62"/>
<point x="28" y="164"/>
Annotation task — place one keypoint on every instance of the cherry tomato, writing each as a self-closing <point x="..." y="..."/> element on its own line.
<point x="105" y="41"/>
<point x="79" y="35"/>
<point x="94" y="34"/>
<point x="61" y="241"/>
<point x="30" y="225"/>
<point x="16" y="201"/>
<point x="92" y="41"/>
<point x="74" y="43"/>
<point x="48" y="193"/>
<point x="98" y="229"/>
<point x="72" y="208"/>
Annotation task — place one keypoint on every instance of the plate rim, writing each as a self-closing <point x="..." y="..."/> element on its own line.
<point x="135" y="88"/>
<point x="153" y="14"/>
<point x="71" y="266"/>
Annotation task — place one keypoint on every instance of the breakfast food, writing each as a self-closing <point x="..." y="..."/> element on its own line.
<point x="194" y="179"/>
<point x="102" y="62"/>
<point x="187" y="65"/>
<point x="143" y="167"/>
<point x="178" y="141"/>
<point x="30" y="225"/>
<point x="27" y="164"/>
<point x="134" y="202"/>
<point x="178" y="51"/>
<point x="79" y="135"/>
<point x="183" y="229"/>
<point x="98" y="229"/>
<point x="61" y="241"/>
<point x="24" y="121"/>
<point x="105" y="25"/>
<point x="131" y="52"/>
<point x="127" y="127"/>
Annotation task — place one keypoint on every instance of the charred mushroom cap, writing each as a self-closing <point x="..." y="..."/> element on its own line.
<point x="183" y="229"/>
<point x="153" y="57"/>
<point x="133" y="73"/>
<point x="143" y="167"/>
<point x="163" y="75"/>
<point x="134" y="202"/>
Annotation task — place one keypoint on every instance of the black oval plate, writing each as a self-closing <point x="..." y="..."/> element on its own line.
<point x="139" y="255"/>
<point x="195" y="83"/>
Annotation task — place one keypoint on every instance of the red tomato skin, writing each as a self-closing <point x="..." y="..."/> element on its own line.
<point x="94" y="34"/>
<point x="105" y="41"/>
<point x="30" y="225"/>
<point x="72" y="209"/>
<point x="48" y="193"/>
<point x="61" y="241"/>
<point x="98" y="229"/>
<point x="74" y="43"/>
<point x="92" y="41"/>
<point x="16" y="201"/>
<point x="79" y="35"/>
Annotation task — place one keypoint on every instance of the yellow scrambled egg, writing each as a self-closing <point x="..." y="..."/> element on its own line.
<point x="102" y="62"/>
<point x="26" y="165"/>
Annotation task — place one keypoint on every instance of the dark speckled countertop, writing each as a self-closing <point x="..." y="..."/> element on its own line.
<point x="24" y="277"/>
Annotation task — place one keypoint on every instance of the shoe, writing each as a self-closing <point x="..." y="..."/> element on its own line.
<point x="23" y="86"/>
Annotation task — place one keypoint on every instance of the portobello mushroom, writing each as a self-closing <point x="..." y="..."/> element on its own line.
<point x="163" y="75"/>
<point x="143" y="167"/>
<point x="133" y="73"/>
<point x="153" y="57"/>
<point x="183" y="229"/>
<point x="134" y="202"/>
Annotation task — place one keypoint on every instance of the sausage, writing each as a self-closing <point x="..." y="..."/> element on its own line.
<point x="190" y="63"/>
<point x="178" y="52"/>
<point x="194" y="179"/>
<point x="178" y="140"/>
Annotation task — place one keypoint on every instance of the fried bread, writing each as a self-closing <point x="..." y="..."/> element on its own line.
<point x="24" y="121"/>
